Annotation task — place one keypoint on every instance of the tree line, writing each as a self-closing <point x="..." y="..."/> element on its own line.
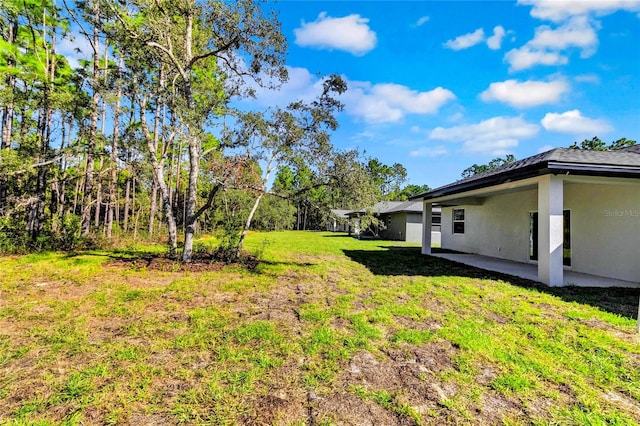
<point x="144" y="137"/>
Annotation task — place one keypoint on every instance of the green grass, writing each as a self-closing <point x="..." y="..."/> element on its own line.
<point x="372" y="326"/>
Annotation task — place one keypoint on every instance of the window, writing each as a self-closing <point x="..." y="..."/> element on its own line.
<point x="458" y="221"/>
<point x="435" y="223"/>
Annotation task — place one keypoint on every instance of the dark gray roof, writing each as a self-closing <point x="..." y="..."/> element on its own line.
<point x="632" y="148"/>
<point x="406" y="206"/>
<point x="620" y="163"/>
<point x="340" y="213"/>
<point x="388" y="207"/>
<point x="382" y="207"/>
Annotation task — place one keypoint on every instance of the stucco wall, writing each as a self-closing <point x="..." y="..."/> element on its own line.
<point x="396" y="226"/>
<point x="436" y="239"/>
<point x="605" y="228"/>
<point x="498" y="228"/>
<point x="403" y="227"/>
<point x="414" y="227"/>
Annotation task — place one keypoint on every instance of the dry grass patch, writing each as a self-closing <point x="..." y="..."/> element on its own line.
<point x="323" y="330"/>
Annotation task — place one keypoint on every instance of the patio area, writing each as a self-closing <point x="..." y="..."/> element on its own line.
<point x="530" y="271"/>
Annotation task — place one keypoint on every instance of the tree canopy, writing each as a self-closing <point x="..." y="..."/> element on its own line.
<point x="493" y="164"/>
<point x="596" y="144"/>
<point x="143" y="138"/>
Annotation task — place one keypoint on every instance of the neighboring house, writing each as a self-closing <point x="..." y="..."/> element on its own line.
<point x="338" y="221"/>
<point x="401" y="221"/>
<point x="564" y="209"/>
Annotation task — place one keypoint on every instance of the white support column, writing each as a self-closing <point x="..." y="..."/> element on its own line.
<point x="550" y="230"/>
<point x="426" y="227"/>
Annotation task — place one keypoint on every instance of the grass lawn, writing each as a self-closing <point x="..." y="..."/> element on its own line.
<point x="325" y="330"/>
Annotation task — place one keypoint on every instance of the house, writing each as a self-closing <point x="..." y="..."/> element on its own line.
<point x="401" y="221"/>
<point x="338" y="221"/>
<point x="565" y="212"/>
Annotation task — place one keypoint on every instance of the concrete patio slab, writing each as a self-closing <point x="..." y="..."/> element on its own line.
<point x="530" y="271"/>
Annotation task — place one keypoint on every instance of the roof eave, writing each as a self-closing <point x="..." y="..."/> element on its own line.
<point x="610" y="170"/>
<point x="512" y="175"/>
<point x="550" y="167"/>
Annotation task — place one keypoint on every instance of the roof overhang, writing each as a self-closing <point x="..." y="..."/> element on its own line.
<point x="519" y="177"/>
<point x="479" y="195"/>
<point x="475" y="197"/>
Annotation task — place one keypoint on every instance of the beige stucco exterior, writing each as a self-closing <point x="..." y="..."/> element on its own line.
<point x="605" y="229"/>
<point x="403" y="226"/>
<point x="605" y="223"/>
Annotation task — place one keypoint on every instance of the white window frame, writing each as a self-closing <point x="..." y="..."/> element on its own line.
<point x="455" y="221"/>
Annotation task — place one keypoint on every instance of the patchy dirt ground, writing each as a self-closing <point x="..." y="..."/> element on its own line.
<point x="199" y="263"/>
<point x="148" y="340"/>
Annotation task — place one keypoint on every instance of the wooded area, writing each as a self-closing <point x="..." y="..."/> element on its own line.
<point x="145" y="139"/>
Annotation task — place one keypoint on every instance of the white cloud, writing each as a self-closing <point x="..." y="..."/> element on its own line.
<point x="423" y="20"/>
<point x="350" y="33"/>
<point x="388" y="102"/>
<point x="412" y="101"/>
<point x="429" y="151"/>
<point x="547" y="44"/>
<point x="494" y="136"/>
<point x="302" y="85"/>
<point x="525" y="94"/>
<point x="75" y="47"/>
<point x="456" y="117"/>
<point x="559" y="10"/>
<point x="374" y="103"/>
<point x="525" y="57"/>
<point x="588" y="78"/>
<point x="466" y="41"/>
<point x="576" y="32"/>
<point x="574" y="122"/>
<point x="545" y="148"/>
<point x="495" y="41"/>
<point x="366" y="134"/>
<point x="493" y="147"/>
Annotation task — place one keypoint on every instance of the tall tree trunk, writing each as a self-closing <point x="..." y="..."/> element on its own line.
<point x="170" y="174"/>
<point x="97" y="211"/>
<point x="113" y="195"/>
<point x="176" y="193"/>
<point x="193" y="136"/>
<point x="158" y="172"/>
<point x="153" y="205"/>
<point x="247" y="224"/>
<point x="156" y="140"/>
<point x="190" y="223"/>
<point x="304" y="226"/>
<point x="76" y="192"/>
<point x="127" y="193"/>
<point x="133" y="195"/>
<point x="10" y="84"/>
<point x="63" y="175"/>
<point x="36" y="214"/>
<point x="93" y="130"/>
<point x="135" y="224"/>
<point x="36" y="210"/>
<point x="172" y="228"/>
<point x="103" y="121"/>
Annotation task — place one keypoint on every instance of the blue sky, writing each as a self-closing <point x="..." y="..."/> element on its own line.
<point x="440" y="85"/>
